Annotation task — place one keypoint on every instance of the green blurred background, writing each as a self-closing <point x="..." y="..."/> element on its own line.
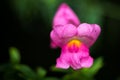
<point x="26" y="25"/>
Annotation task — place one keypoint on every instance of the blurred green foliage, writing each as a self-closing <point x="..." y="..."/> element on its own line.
<point x="14" y="55"/>
<point x="16" y="71"/>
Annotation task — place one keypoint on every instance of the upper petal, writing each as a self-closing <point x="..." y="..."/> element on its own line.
<point x="61" y="34"/>
<point x="88" y="33"/>
<point x="55" y="39"/>
<point x="65" y="15"/>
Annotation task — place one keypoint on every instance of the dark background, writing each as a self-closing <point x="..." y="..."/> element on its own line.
<point x="32" y="39"/>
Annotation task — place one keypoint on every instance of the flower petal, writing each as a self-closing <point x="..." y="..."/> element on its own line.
<point x="55" y="39"/>
<point x="61" y="34"/>
<point x="68" y="30"/>
<point x="68" y="58"/>
<point x="65" y="15"/>
<point x="75" y="61"/>
<point x="88" y="33"/>
<point x="86" y="61"/>
<point x="62" y="64"/>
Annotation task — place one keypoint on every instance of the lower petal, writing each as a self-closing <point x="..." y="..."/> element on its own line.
<point x="62" y="64"/>
<point x="86" y="61"/>
<point x="75" y="62"/>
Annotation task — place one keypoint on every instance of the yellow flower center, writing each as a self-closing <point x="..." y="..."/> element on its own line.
<point x="74" y="45"/>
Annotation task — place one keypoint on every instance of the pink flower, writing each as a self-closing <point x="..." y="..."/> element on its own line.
<point x="73" y="38"/>
<point x="65" y="15"/>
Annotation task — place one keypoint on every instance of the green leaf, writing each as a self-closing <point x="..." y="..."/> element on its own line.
<point x="8" y="72"/>
<point x="96" y="66"/>
<point x="98" y="63"/>
<point x="76" y="76"/>
<point x="14" y="55"/>
<point x="26" y="72"/>
<point x="41" y="72"/>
